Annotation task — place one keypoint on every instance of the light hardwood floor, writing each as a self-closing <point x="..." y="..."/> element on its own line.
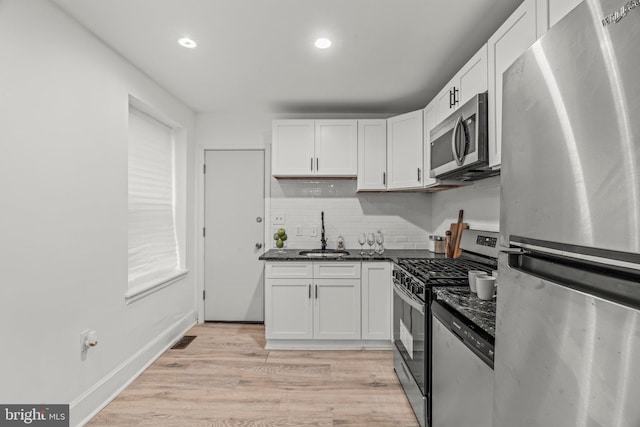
<point x="226" y="378"/>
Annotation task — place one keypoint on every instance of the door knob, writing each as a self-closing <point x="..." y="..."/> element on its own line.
<point x="258" y="219"/>
<point x="258" y="245"/>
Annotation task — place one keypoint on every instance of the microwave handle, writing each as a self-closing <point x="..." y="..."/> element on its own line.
<point x="454" y="147"/>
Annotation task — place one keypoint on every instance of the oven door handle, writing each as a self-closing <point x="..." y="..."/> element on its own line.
<point x="406" y="298"/>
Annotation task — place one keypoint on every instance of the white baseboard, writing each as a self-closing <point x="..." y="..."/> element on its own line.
<point x="92" y="401"/>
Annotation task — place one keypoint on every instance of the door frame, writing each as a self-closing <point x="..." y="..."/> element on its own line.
<point x="200" y="207"/>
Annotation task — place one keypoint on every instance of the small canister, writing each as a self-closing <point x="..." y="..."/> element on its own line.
<point x="438" y="244"/>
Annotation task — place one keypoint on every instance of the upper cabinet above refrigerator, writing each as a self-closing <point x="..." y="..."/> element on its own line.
<point x="467" y="83"/>
<point x="510" y="41"/>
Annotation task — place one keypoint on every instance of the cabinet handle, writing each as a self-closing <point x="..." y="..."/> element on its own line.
<point x="456" y="99"/>
<point x="316" y="291"/>
<point x="309" y="291"/>
<point x="450" y="98"/>
<point x="384" y="178"/>
<point x="317" y="164"/>
<point x="311" y="164"/>
<point x="418" y="174"/>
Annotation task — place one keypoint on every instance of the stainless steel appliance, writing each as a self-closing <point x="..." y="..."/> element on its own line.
<point x="462" y="371"/>
<point x="413" y="281"/>
<point x="568" y="319"/>
<point x="459" y="145"/>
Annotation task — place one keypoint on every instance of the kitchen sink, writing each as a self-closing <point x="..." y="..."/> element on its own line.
<point x="327" y="253"/>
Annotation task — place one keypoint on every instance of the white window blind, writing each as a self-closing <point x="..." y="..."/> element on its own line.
<point x="153" y="248"/>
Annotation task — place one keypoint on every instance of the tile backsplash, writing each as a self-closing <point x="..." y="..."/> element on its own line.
<point x="403" y="218"/>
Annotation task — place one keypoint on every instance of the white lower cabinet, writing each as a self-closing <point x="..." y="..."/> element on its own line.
<point x="336" y="311"/>
<point x="315" y="304"/>
<point x="289" y="309"/>
<point x="321" y="302"/>
<point x="376" y="301"/>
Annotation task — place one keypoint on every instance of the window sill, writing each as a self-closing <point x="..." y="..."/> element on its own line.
<point x="144" y="289"/>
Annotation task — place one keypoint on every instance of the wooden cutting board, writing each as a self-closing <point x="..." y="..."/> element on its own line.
<point x="453" y="249"/>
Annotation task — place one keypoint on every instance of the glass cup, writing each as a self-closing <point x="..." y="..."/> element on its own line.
<point x="370" y="241"/>
<point x="362" y="238"/>
<point x="380" y="241"/>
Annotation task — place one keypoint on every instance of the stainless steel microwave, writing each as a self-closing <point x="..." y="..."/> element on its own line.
<point x="460" y="145"/>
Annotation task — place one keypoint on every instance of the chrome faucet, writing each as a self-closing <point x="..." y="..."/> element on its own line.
<point x="323" y="239"/>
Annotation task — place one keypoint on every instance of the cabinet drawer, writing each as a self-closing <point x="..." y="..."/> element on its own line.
<point x="288" y="270"/>
<point x="334" y="270"/>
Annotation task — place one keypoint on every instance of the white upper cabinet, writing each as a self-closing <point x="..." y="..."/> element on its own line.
<point x="314" y="148"/>
<point x="336" y="147"/>
<point x="515" y="36"/>
<point x="293" y="147"/>
<point x="404" y="151"/>
<point x="552" y="11"/>
<point x="430" y="121"/>
<point x="468" y="82"/>
<point x="372" y="155"/>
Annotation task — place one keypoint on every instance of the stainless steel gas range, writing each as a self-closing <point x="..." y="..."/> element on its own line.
<point x="413" y="283"/>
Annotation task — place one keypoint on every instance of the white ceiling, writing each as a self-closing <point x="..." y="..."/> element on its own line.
<point x="388" y="56"/>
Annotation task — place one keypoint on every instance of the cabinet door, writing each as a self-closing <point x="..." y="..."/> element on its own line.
<point x="336" y="313"/>
<point x="289" y="309"/>
<point x="288" y="270"/>
<point x="430" y="121"/>
<point x="336" y="270"/>
<point x="511" y="40"/>
<point x="473" y="77"/>
<point x="404" y="151"/>
<point x="376" y="301"/>
<point x="549" y="12"/>
<point x="372" y="154"/>
<point x="292" y="148"/>
<point x="444" y="102"/>
<point x="559" y="8"/>
<point x="336" y="147"/>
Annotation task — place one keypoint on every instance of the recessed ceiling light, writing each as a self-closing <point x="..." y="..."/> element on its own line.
<point x="187" y="42"/>
<point x="322" y="43"/>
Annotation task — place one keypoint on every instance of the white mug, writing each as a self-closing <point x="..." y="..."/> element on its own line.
<point x="473" y="274"/>
<point x="486" y="287"/>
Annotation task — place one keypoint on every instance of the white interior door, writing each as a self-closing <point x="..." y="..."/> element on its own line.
<point x="234" y="238"/>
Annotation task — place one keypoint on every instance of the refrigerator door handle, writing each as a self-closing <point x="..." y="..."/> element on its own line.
<point x="512" y="251"/>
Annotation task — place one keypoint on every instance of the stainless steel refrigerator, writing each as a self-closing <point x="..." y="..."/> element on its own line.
<point x="568" y="319"/>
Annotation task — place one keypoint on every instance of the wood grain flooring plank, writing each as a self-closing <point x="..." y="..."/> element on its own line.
<point x="225" y="377"/>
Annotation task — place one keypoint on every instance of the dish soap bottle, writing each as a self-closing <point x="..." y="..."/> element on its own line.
<point x="340" y="245"/>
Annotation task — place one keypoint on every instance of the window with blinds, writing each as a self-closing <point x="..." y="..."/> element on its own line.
<point x="153" y="244"/>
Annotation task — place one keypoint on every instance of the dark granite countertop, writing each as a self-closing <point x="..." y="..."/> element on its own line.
<point x="481" y="313"/>
<point x="354" y="255"/>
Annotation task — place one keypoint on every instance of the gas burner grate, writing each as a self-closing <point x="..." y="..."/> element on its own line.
<point x="439" y="271"/>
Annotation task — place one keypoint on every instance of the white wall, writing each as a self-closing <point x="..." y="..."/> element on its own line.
<point x="480" y="202"/>
<point x="63" y="173"/>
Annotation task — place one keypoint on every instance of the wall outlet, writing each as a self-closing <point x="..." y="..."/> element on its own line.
<point x="314" y="231"/>
<point x="298" y="230"/>
<point x="277" y="219"/>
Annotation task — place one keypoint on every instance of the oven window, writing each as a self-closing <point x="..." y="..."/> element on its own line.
<point x="408" y="333"/>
